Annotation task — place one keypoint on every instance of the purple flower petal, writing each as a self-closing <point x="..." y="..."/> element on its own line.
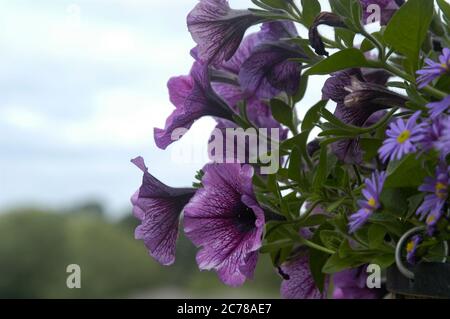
<point x="299" y="283"/>
<point x="158" y="207"/>
<point x="224" y="219"/>
<point x="218" y="30"/>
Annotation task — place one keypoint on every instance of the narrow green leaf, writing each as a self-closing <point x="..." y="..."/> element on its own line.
<point x="345" y="59"/>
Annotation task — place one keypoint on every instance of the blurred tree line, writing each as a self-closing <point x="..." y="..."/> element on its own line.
<point x="37" y="245"/>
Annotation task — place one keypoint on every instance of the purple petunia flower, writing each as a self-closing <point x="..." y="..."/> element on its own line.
<point x="358" y="96"/>
<point x="224" y="219"/>
<point x="437" y="108"/>
<point x="352" y="284"/>
<point x="218" y="30"/>
<point x="158" y="207"/>
<point x="298" y="282"/>
<point x="269" y="69"/>
<point x="402" y="138"/>
<point x="437" y="187"/>
<point x="193" y="98"/>
<point x="371" y="192"/>
<point x="388" y="9"/>
<point x="411" y="249"/>
<point x="433" y="69"/>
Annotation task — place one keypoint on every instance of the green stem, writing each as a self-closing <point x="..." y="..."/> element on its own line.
<point x="377" y="43"/>
<point x="316" y="246"/>
<point x="392" y="69"/>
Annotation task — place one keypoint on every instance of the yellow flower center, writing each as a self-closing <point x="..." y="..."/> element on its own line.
<point x="404" y="136"/>
<point x="410" y="246"/>
<point x="372" y="202"/>
<point x="430" y="219"/>
<point x="439" y="187"/>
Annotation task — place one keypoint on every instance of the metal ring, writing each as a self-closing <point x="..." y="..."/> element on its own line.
<point x="398" y="251"/>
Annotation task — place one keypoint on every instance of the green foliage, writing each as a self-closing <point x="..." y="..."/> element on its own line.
<point x="407" y="37"/>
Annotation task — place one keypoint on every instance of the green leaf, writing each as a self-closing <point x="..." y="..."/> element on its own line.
<point x="294" y="165"/>
<point x="445" y="7"/>
<point x="311" y="8"/>
<point x="383" y="260"/>
<point x="345" y="59"/>
<point x="314" y="220"/>
<point x="313" y="115"/>
<point x="331" y="239"/>
<point x="321" y="172"/>
<point x="276" y="245"/>
<point x="376" y="236"/>
<point x="318" y="258"/>
<point x="408" y="28"/>
<point x="336" y="264"/>
<point x="408" y="172"/>
<point x="282" y="112"/>
<point x="395" y="200"/>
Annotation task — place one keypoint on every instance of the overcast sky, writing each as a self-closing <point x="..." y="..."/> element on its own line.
<point x="82" y="85"/>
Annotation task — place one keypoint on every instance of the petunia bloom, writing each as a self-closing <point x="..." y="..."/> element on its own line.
<point x="298" y="282"/>
<point x="158" y="207"/>
<point x="437" y="108"/>
<point x="218" y="30"/>
<point x="193" y="98"/>
<point x="225" y="220"/>
<point x="324" y="18"/>
<point x="402" y="138"/>
<point x="352" y="284"/>
<point x="433" y="69"/>
<point x="358" y="96"/>
<point x="437" y="188"/>
<point x="371" y="203"/>
<point x="411" y="249"/>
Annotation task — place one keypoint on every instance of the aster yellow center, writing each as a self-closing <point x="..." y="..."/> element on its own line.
<point x="410" y="246"/>
<point x="372" y="202"/>
<point x="439" y="187"/>
<point x="404" y="136"/>
<point x="430" y="219"/>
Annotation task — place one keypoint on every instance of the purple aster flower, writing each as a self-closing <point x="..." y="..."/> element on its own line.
<point x="402" y="138"/>
<point x="352" y="284"/>
<point x="437" y="189"/>
<point x="411" y="249"/>
<point x="193" y="98"/>
<point x="224" y="219"/>
<point x="388" y="8"/>
<point x="371" y="192"/>
<point x="358" y="96"/>
<point x="443" y="143"/>
<point x="437" y="108"/>
<point x="158" y="207"/>
<point x="433" y="69"/>
<point x="298" y="282"/>
<point x="218" y="30"/>
<point x="433" y="133"/>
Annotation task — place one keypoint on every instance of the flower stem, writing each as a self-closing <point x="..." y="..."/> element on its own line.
<point x="310" y="244"/>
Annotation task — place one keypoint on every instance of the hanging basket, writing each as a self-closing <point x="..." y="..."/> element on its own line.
<point x="424" y="280"/>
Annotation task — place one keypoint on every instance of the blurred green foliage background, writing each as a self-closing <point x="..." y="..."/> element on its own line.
<point x="37" y="245"/>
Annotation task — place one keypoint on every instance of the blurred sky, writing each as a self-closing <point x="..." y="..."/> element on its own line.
<point x="82" y="84"/>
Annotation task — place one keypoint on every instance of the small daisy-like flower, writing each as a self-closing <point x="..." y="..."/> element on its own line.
<point x="402" y="137"/>
<point x="442" y="144"/>
<point x="432" y="208"/>
<point x="433" y="69"/>
<point x="433" y="133"/>
<point x="411" y="249"/>
<point x="371" y="193"/>
<point x="437" y="108"/>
